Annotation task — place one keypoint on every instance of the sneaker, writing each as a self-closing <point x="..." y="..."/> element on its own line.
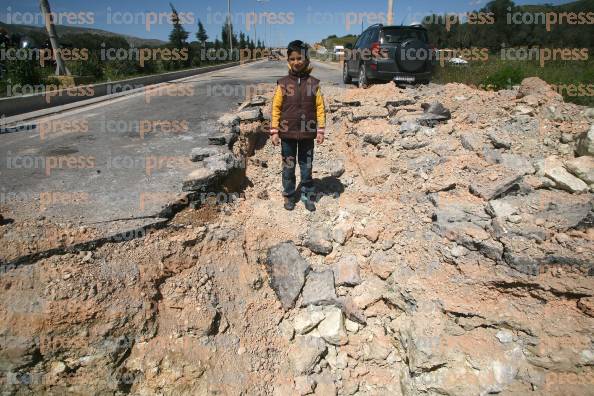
<point x="309" y="205"/>
<point x="289" y="203"/>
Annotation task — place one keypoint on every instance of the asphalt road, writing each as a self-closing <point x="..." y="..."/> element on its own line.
<point x="124" y="158"/>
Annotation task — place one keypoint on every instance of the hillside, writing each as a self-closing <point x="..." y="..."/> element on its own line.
<point x="37" y="32"/>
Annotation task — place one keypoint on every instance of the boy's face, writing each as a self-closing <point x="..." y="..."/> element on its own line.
<point x="296" y="61"/>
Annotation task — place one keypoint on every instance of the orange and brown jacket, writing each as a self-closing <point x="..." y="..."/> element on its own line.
<point x="298" y="110"/>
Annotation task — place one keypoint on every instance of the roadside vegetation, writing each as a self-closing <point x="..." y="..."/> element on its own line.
<point x="14" y="73"/>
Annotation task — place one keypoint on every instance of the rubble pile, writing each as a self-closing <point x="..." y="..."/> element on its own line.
<point x="451" y="253"/>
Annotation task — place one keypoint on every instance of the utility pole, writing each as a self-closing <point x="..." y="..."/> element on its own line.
<point x="265" y="20"/>
<point x="61" y="69"/>
<point x="230" y="26"/>
<point x="390" y="12"/>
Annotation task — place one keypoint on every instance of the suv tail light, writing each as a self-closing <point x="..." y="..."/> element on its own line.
<point x="375" y="49"/>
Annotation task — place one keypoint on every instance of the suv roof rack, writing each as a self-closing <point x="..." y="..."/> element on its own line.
<point x="374" y="25"/>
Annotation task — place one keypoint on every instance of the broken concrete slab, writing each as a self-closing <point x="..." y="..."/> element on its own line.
<point x="565" y="180"/>
<point x="495" y="189"/>
<point x="332" y="328"/>
<point x="346" y="271"/>
<point x="229" y="120"/>
<point x="287" y="270"/>
<point x="308" y="319"/>
<point x="200" y="153"/>
<point x="318" y="240"/>
<point x="253" y="115"/>
<point x="585" y="143"/>
<point x="583" y="168"/>
<point x="319" y="289"/>
<point x="472" y="141"/>
<point x="305" y="353"/>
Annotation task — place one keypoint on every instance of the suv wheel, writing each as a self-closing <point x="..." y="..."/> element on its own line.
<point x="363" y="83"/>
<point x="346" y="78"/>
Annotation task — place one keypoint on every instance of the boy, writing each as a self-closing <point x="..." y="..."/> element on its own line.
<point x="298" y="117"/>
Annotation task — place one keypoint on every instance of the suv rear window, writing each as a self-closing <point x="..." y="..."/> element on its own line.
<point x="398" y="35"/>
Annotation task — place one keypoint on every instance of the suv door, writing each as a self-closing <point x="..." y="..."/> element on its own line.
<point x="353" y="63"/>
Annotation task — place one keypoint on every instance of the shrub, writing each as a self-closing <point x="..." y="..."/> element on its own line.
<point x="506" y="77"/>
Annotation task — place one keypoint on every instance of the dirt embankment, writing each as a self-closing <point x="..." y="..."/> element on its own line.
<point x="451" y="253"/>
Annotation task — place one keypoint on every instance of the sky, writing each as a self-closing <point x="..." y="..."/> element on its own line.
<point x="279" y="21"/>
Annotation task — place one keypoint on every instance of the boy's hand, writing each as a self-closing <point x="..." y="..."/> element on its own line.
<point x="275" y="139"/>
<point x="320" y="137"/>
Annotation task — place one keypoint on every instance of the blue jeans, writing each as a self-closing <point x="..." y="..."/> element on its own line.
<point x="302" y="150"/>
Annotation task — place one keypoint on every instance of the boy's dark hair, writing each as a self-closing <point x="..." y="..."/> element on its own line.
<point x="298" y="46"/>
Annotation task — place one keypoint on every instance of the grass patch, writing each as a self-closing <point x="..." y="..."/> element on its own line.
<point x="572" y="79"/>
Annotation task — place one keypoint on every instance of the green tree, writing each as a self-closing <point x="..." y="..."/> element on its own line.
<point x="178" y="35"/>
<point x="201" y="34"/>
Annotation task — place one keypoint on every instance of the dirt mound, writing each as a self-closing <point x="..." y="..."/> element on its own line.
<point x="447" y="257"/>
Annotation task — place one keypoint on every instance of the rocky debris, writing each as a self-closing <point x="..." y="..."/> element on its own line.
<point x="305" y="353"/>
<point x="534" y="87"/>
<point x="565" y="180"/>
<point x="200" y="153"/>
<point x="585" y="143"/>
<point x="368" y="292"/>
<point x="304" y="385"/>
<point x="287" y="270"/>
<point x="229" y="120"/>
<point x="373" y="139"/>
<point x="586" y="305"/>
<point x="367" y="112"/>
<point x="318" y="240"/>
<point x="500" y="208"/>
<point x="409" y="128"/>
<point x="217" y="140"/>
<point x="332" y="329"/>
<point x="346" y="271"/>
<point x="250" y="115"/>
<point x="382" y="264"/>
<point x="336" y="168"/>
<point x="342" y="232"/>
<point x="499" y="140"/>
<point x="495" y="188"/>
<point x="583" y="168"/>
<point x="433" y="113"/>
<point x="517" y="163"/>
<point x="319" y="289"/>
<point x="307" y="319"/>
<point x="472" y="141"/>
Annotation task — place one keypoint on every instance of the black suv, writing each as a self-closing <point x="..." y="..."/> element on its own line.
<point x="390" y="53"/>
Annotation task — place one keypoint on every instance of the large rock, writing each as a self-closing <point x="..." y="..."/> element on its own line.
<point x="582" y="167"/>
<point x="537" y="87"/>
<point x="342" y="232"/>
<point x="434" y="112"/>
<point x="250" y="115"/>
<point x="585" y="143"/>
<point x="318" y="240"/>
<point x="229" y="120"/>
<point x="200" y="153"/>
<point x="332" y="328"/>
<point x="308" y="319"/>
<point x="346" y="272"/>
<point x="500" y="208"/>
<point x="368" y="292"/>
<point x="336" y="168"/>
<point x="305" y="353"/>
<point x="565" y="180"/>
<point x="382" y="264"/>
<point x="472" y="141"/>
<point x="287" y="270"/>
<point x="496" y="188"/>
<point x="319" y="289"/>
<point x="17" y="352"/>
<point x="518" y="163"/>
